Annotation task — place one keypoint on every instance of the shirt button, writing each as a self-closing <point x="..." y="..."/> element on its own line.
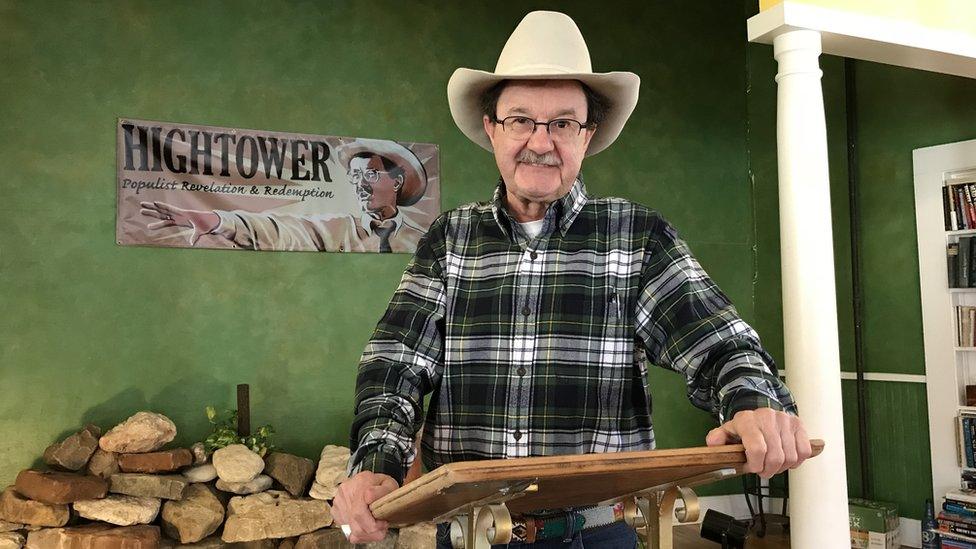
<point x="526" y="311"/>
<point x="533" y="255"/>
<point x="521" y="370"/>
<point x="517" y="435"/>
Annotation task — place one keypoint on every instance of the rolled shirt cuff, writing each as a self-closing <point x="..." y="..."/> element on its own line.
<point x="381" y="462"/>
<point x="748" y="400"/>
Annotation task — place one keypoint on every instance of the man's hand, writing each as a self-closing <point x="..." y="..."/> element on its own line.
<point x="774" y="441"/>
<point x="351" y="505"/>
<point x="202" y="222"/>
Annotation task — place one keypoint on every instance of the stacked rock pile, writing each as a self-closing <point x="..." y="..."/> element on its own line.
<point x="122" y="490"/>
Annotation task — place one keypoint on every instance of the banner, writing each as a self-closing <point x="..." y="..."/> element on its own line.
<point x="182" y="185"/>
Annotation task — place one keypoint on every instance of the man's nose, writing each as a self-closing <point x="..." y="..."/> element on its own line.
<point x="540" y="141"/>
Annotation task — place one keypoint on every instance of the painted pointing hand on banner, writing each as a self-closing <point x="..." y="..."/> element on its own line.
<point x="202" y="222"/>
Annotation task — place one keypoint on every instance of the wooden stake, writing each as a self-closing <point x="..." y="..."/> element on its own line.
<point x="243" y="410"/>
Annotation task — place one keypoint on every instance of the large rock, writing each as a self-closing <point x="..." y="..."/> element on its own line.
<point x="292" y="472"/>
<point x="259" y="484"/>
<point x="10" y="526"/>
<point x="73" y="452"/>
<point x="57" y="487"/>
<point x="215" y="542"/>
<point x="330" y="473"/>
<point x="165" y="461"/>
<point x="11" y="540"/>
<point x="194" y="517"/>
<point x="332" y="459"/>
<point x="328" y="538"/>
<point x="149" y="486"/>
<point x="333" y="538"/>
<point x="273" y="514"/>
<point x="16" y="508"/>
<point x="201" y="473"/>
<point x="417" y="536"/>
<point x="237" y="463"/>
<point x="103" y="464"/>
<point x="143" y="432"/>
<point x="95" y="536"/>
<point x="119" y="510"/>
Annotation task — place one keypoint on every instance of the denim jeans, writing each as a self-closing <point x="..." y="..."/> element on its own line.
<point x="615" y="536"/>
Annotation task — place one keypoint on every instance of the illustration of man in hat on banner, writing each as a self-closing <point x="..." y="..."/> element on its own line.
<point x="387" y="177"/>
<point x="531" y="318"/>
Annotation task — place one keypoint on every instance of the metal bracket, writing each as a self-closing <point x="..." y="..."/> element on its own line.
<point x="658" y="513"/>
<point x="486" y="522"/>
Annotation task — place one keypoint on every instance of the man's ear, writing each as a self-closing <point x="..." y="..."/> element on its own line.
<point x="489" y="129"/>
<point x="398" y="182"/>
<point x="587" y="137"/>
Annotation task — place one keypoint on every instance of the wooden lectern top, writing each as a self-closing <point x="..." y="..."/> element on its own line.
<point x="531" y="484"/>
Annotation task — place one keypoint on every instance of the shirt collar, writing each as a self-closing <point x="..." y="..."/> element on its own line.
<point x="563" y="211"/>
<point x="365" y="221"/>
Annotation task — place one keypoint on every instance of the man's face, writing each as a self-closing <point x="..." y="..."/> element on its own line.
<point x="537" y="168"/>
<point x="376" y="190"/>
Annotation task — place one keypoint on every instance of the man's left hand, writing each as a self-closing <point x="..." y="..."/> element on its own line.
<point x="774" y="441"/>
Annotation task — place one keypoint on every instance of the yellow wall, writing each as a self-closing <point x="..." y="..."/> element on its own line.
<point x="956" y="15"/>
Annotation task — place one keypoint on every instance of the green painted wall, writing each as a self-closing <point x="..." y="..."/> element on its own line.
<point x="91" y="331"/>
<point x="898" y="110"/>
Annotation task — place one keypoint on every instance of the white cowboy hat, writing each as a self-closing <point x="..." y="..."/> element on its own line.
<point x="414" y="173"/>
<point x="546" y="45"/>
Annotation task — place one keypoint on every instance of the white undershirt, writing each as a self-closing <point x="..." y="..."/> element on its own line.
<point x="532" y="228"/>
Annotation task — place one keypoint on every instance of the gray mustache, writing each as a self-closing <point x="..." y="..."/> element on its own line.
<point x="547" y="159"/>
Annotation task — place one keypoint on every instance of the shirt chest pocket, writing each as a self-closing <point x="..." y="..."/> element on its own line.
<point x="592" y="309"/>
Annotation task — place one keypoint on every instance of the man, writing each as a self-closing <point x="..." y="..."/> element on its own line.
<point x="386" y="175"/>
<point x="531" y="318"/>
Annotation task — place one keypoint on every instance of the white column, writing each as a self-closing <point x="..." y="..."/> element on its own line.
<point x="818" y="489"/>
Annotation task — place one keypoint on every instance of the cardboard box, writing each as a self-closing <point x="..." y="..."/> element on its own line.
<point x="875" y="540"/>
<point x="874" y="524"/>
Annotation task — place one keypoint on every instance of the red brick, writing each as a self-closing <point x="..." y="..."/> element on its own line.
<point x="156" y="462"/>
<point x="58" y="487"/>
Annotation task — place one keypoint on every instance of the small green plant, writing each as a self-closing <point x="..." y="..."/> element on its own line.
<point x="225" y="434"/>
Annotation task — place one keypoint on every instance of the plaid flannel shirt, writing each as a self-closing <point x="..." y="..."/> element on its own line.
<point x="539" y="346"/>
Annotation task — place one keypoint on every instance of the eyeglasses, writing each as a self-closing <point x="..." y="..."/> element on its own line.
<point x="358" y="176"/>
<point x="560" y="129"/>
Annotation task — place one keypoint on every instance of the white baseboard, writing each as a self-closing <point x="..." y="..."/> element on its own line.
<point x="735" y="506"/>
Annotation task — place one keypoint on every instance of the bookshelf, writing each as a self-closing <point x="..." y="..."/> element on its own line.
<point x="950" y="362"/>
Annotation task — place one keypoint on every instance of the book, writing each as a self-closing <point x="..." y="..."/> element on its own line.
<point x="952" y="260"/>
<point x="967" y="423"/>
<point x="963" y="497"/>
<point x="965" y="327"/>
<point x="946" y="526"/>
<point x="972" y="325"/>
<point x="972" y="261"/>
<point x="970" y="210"/>
<point x="960" y="212"/>
<point x="945" y="208"/>
<point x="958" y="510"/>
<point x="969" y="190"/>
<point x="957" y="544"/>
<point x="959" y="520"/>
<point x="953" y="218"/>
<point x="954" y="535"/>
<point x="964" y="250"/>
<point x="967" y="206"/>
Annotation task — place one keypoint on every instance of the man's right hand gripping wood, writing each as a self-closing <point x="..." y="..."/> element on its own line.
<point x="351" y="505"/>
